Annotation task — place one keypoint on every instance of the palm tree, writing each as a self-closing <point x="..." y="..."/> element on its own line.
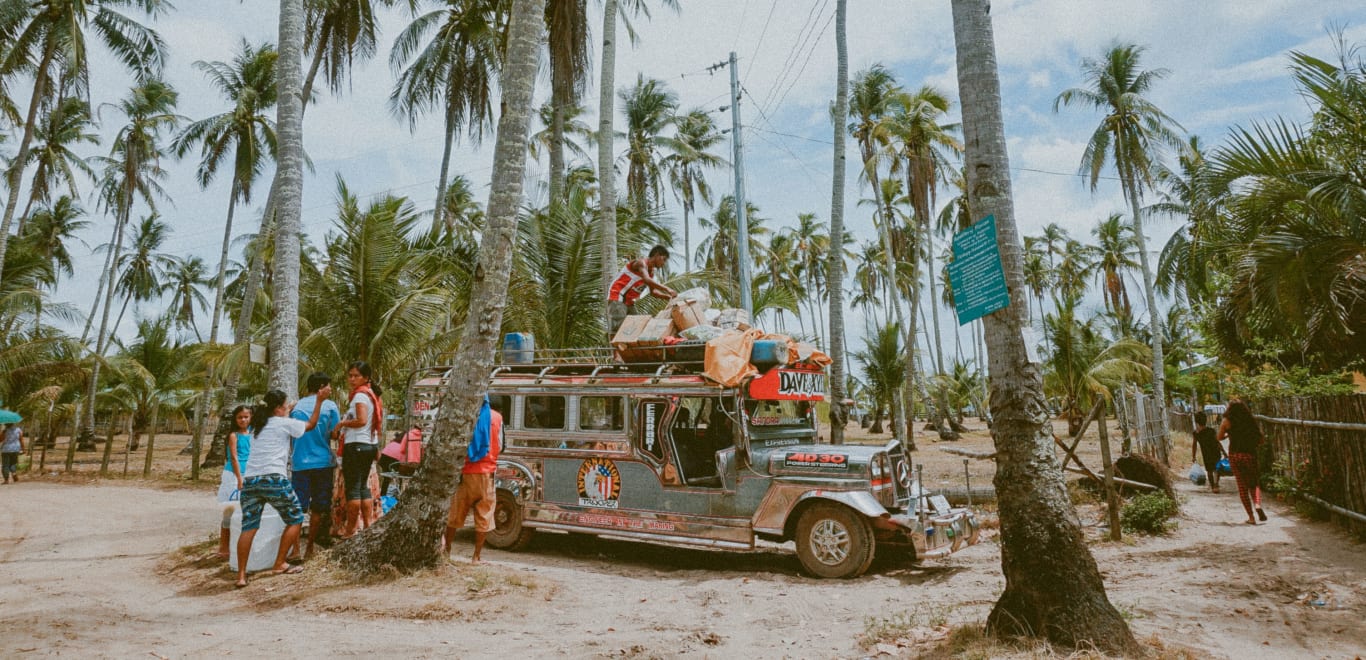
<point x="1053" y="587"/>
<point x="1184" y="265"/>
<point x="927" y="145"/>
<point x="1129" y="137"/>
<point x="407" y="537"/>
<point x="1113" y="256"/>
<point x="573" y="135"/>
<point x="66" y="124"/>
<point x="131" y="170"/>
<point x="1083" y="365"/>
<point x="288" y="184"/>
<point x="649" y="109"/>
<point x="720" y="251"/>
<point x="694" y="137"/>
<point x="568" y="38"/>
<point x="839" y="416"/>
<point x="462" y="213"/>
<point x="883" y="363"/>
<point x="1037" y="277"/>
<point x="607" y="81"/>
<point x="47" y="35"/>
<point x="152" y="374"/>
<point x="185" y="280"/>
<point x="452" y="72"/>
<point x="144" y="267"/>
<point x="244" y="134"/>
<point x="51" y="229"/>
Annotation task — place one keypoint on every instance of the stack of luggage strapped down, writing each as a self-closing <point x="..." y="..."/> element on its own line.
<point x="721" y="342"/>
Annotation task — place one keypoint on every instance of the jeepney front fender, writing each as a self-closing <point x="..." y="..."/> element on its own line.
<point x="517" y="479"/>
<point x="777" y="514"/>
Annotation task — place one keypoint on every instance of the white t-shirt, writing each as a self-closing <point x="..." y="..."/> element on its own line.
<point x="270" y="447"/>
<point x="364" y="434"/>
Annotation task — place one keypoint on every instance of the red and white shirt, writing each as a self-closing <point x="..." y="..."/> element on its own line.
<point x="628" y="286"/>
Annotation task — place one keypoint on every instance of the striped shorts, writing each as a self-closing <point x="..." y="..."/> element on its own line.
<point x="272" y="489"/>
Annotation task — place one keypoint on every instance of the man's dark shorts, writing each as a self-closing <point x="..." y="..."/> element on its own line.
<point x="272" y="489"/>
<point x="314" y="488"/>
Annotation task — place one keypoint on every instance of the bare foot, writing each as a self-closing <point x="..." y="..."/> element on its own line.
<point x="239" y="584"/>
<point x="288" y="569"/>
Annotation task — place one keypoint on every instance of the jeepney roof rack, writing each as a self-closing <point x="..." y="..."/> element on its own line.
<point x="596" y="362"/>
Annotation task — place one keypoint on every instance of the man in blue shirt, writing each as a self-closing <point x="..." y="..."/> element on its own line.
<point x="313" y="460"/>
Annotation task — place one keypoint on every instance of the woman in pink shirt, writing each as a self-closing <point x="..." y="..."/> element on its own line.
<point x="405" y="450"/>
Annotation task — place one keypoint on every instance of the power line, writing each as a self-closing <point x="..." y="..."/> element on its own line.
<point x="803" y="37"/>
<point x="740" y="26"/>
<point x="755" y="55"/>
<point x="797" y="78"/>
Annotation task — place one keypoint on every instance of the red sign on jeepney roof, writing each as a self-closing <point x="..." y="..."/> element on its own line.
<point x="789" y="385"/>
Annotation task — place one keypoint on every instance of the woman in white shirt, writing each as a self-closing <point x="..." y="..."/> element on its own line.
<point x="265" y="479"/>
<point x="361" y="432"/>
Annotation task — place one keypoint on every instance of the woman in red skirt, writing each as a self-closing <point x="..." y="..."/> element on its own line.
<point x="1243" y="437"/>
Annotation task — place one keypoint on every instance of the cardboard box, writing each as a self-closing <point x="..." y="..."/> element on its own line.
<point x="654" y="332"/>
<point x="688" y="315"/>
<point x="630" y="330"/>
<point x="733" y="319"/>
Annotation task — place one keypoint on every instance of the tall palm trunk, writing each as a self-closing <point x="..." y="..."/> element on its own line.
<point x="87" y="433"/>
<point x="1053" y="587"/>
<point x="557" y="147"/>
<point x="902" y="406"/>
<point x="439" y="210"/>
<point x="151" y="444"/>
<point x="407" y="537"/>
<point x="284" y="336"/>
<point x="1154" y="317"/>
<point x="934" y="302"/>
<point x="607" y="195"/>
<point x="205" y="402"/>
<point x="16" y="171"/>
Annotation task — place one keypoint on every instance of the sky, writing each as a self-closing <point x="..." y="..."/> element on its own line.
<point x="1227" y="60"/>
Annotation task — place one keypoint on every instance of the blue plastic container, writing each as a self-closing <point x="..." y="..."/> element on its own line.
<point x="519" y="348"/>
<point x="768" y="353"/>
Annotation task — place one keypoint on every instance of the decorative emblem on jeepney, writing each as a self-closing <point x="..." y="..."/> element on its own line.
<point x="903" y="474"/>
<point x="599" y="483"/>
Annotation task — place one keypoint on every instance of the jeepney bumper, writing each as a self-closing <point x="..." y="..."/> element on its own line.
<point x="936" y="536"/>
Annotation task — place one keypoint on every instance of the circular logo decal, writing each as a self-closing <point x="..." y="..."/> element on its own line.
<point x="599" y="483"/>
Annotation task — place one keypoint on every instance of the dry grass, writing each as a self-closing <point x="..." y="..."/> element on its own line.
<point x="971" y="642"/>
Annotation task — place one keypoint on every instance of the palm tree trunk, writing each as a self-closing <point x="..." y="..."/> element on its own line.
<point x="284" y="336"/>
<point x="1053" y="587"/>
<point x="1154" y="317"/>
<point x="205" y="400"/>
<point x="88" y="427"/>
<point x="104" y="274"/>
<point x="439" y="209"/>
<point x="407" y="537"/>
<point x="109" y="443"/>
<point x="687" y="242"/>
<point x="151" y="445"/>
<point x="607" y="195"/>
<point x="16" y="171"/>
<point x="902" y="398"/>
<point x="934" y="302"/>
<point x="557" y="148"/>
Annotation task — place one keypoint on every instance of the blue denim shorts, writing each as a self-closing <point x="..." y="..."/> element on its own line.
<point x="272" y="489"/>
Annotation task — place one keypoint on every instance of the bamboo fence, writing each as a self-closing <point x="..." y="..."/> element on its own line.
<point x="1318" y="444"/>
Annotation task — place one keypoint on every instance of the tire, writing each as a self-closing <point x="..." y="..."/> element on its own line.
<point x="833" y="541"/>
<point x="508" y="532"/>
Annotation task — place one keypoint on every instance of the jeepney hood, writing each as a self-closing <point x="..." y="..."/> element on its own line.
<point x="829" y="461"/>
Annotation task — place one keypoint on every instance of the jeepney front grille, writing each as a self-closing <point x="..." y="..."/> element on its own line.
<point x="901" y="476"/>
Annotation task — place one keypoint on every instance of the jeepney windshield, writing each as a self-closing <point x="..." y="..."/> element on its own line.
<point x="763" y="414"/>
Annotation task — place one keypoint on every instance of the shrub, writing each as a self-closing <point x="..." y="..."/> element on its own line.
<point x="1148" y="514"/>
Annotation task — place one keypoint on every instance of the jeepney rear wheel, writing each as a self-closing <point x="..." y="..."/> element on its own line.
<point x="833" y="541"/>
<point x="508" y="532"/>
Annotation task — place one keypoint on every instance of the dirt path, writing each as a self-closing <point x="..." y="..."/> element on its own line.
<point x="89" y="570"/>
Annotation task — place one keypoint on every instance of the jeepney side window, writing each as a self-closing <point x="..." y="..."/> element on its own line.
<point x="544" y="412"/>
<point x="502" y="403"/>
<point x="601" y="413"/>
<point x="647" y="428"/>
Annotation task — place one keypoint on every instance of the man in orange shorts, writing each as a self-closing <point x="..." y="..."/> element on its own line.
<point x="476" y="489"/>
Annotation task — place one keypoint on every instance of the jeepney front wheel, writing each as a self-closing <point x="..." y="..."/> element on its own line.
<point x="508" y="532"/>
<point x="834" y="542"/>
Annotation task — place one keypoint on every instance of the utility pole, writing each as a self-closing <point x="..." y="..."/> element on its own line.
<point x="742" y="250"/>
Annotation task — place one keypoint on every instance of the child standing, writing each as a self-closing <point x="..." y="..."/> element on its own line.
<point x="1210" y="449"/>
<point x="265" y="481"/>
<point x="239" y="447"/>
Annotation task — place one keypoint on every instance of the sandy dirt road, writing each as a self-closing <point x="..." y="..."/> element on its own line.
<point x="91" y="571"/>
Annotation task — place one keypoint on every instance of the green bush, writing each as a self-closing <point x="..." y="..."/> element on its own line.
<point x="1147" y="514"/>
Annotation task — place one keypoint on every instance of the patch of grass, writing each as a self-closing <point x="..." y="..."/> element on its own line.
<point x="1148" y="513"/>
<point x="900" y="626"/>
<point x="971" y="642"/>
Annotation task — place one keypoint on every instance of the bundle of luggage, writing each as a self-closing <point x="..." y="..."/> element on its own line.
<point x="729" y="349"/>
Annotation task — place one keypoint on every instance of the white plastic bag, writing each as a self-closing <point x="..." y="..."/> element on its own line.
<point x="265" y="546"/>
<point x="1197" y="474"/>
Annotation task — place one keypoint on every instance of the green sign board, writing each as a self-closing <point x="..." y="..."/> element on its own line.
<point x="976" y="275"/>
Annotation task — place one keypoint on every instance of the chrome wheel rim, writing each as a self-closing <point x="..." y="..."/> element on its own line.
<point x="830" y="542"/>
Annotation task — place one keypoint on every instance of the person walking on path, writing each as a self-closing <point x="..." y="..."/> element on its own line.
<point x="1243" y="437"/>
<point x="1210" y="450"/>
<point x="313" y="460"/>
<point x="265" y="481"/>
<point x="635" y="278"/>
<point x="230" y="483"/>
<point x="360" y="432"/>
<point x="10" y="449"/>
<point x="476" y="490"/>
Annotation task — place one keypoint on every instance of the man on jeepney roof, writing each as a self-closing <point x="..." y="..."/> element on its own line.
<point x="635" y="279"/>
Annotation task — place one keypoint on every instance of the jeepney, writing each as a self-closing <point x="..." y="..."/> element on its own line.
<point x="658" y="453"/>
